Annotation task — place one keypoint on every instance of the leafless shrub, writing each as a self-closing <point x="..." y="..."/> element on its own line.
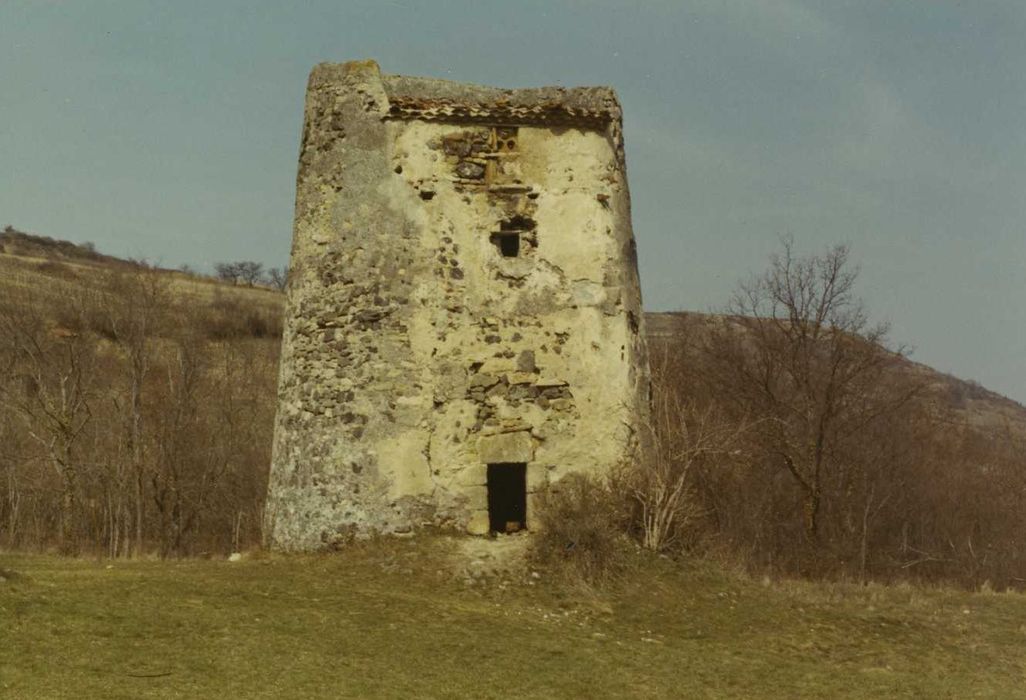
<point x="581" y="534"/>
<point x="229" y="317"/>
<point x="680" y="437"/>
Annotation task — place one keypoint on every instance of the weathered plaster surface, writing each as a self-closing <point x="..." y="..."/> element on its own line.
<point x="415" y="353"/>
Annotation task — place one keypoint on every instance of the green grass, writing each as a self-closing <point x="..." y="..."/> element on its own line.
<point x="392" y="620"/>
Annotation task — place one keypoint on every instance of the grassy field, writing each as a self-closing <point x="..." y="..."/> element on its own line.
<point x="398" y="619"/>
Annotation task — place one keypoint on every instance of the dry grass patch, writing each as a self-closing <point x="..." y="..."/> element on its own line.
<point x="388" y="619"/>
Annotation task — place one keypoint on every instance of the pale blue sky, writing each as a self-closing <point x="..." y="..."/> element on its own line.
<point x="170" y="130"/>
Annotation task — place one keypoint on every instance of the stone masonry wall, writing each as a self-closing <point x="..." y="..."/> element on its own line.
<point x="463" y="290"/>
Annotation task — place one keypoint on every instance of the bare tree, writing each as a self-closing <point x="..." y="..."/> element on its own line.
<point x="278" y="277"/>
<point x="173" y="480"/>
<point x="247" y="271"/>
<point x="10" y="452"/>
<point x="798" y="351"/>
<point x="227" y="272"/>
<point x="135" y="303"/>
<point x="250" y="271"/>
<point x="52" y="391"/>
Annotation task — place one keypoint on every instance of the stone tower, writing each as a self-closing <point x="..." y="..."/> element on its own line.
<point x="463" y="311"/>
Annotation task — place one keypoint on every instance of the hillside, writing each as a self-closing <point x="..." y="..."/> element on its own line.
<point x="27" y="245"/>
<point x="48" y="269"/>
<point x="953" y="400"/>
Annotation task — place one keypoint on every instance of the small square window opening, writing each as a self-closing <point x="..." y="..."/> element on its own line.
<point x="508" y="243"/>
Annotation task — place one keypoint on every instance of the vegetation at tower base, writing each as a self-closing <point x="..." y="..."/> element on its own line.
<point x="463" y="320"/>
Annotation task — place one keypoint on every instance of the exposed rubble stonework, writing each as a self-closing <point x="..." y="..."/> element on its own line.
<point x="463" y="309"/>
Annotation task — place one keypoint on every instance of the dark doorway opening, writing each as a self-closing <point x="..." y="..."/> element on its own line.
<point x="507" y="496"/>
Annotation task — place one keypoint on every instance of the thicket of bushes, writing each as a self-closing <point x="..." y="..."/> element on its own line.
<point x="133" y="420"/>
<point x="786" y="437"/>
<point x="585" y="523"/>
